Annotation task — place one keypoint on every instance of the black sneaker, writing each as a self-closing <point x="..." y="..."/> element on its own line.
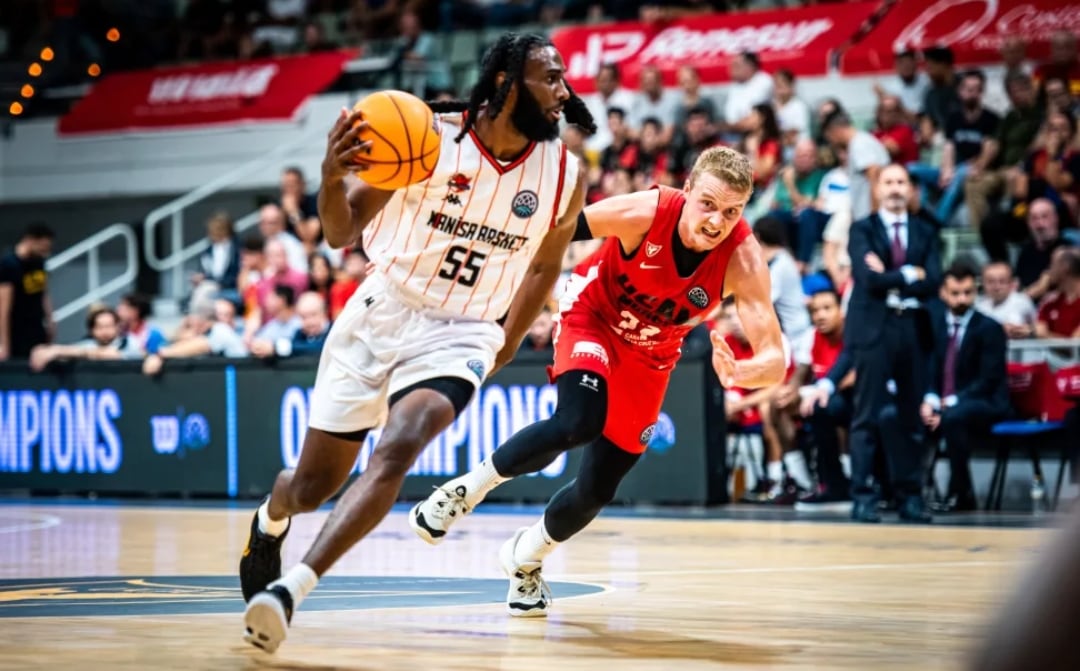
<point x="267" y="618"/>
<point x="824" y="499"/>
<point x="260" y="564"/>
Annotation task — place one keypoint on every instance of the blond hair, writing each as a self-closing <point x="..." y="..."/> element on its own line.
<point x="725" y="164"/>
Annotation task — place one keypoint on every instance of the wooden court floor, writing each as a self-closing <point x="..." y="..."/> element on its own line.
<point x="127" y="587"/>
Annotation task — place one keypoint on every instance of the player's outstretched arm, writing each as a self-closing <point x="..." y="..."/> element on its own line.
<point x="544" y="271"/>
<point x="748" y="280"/>
<point x="627" y="217"/>
<point x="346" y="204"/>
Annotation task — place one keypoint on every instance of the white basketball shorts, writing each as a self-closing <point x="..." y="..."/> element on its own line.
<point x="380" y="345"/>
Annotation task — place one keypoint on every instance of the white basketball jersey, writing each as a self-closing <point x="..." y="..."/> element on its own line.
<point x="462" y="240"/>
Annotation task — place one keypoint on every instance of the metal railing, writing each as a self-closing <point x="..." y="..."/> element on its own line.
<point x="174" y="212"/>
<point x="91" y="247"/>
<point x="1055" y="351"/>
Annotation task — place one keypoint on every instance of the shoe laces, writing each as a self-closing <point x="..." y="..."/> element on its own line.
<point x="533" y="585"/>
<point x="452" y="505"/>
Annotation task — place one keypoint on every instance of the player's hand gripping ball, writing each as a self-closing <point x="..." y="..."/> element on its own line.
<point x="404" y="136"/>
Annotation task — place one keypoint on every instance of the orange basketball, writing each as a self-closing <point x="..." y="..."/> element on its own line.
<point x="405" y="139"/>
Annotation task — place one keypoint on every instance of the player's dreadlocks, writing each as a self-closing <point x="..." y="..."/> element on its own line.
<point x="508" y="55"/>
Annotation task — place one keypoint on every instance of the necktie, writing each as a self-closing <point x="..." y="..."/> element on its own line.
<point x="899" y="254"/>
<point x="948" y="381"/>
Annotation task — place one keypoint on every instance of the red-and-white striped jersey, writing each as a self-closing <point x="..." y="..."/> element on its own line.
<point x="462" y="240"/>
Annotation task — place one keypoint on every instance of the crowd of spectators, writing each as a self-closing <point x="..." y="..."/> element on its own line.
<point x="149" y="33"/>
<point x="999" y="157"/>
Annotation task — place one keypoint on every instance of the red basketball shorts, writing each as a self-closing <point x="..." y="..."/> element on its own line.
<point x="636" y="386"/>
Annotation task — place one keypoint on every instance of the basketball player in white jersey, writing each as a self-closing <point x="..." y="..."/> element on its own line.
<point x="480" y="240"/>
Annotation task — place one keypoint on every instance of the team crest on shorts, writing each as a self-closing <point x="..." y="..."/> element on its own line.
<point x="647" y="434"/>
<point x="525" y="204"/>
<point x="698" y="297"/>
<point x="476" y="366"/>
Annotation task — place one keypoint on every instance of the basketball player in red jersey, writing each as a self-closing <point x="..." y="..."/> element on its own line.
<point x="670" y="258"/>
<point x="478" y="243"/>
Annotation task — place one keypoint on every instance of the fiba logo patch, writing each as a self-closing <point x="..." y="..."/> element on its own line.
<point x="476" y="366"/>
<point x="698" y="297"/>
<point x="647" y="434"/>
<point x="663" y="434"/>
<point x="525" y="204"/>
<point x="196" y="434"/>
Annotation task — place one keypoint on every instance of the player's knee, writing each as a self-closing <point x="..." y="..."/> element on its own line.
<point x="395" y="454"/>
<point x="579" y="425"/>
<point x="307" y="494"/>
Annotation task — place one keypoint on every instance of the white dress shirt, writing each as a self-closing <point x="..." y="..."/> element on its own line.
<point x="893" y="300"/>
<point x="952" y="322"/>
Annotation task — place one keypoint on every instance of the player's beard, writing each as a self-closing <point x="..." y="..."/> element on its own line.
<point x="531" y="120"/>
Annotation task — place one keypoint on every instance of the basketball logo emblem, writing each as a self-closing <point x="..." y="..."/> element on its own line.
<point x="647" y="434"/>
<point x="525" y="204"/>
<point x="476" y="366"/>
<point x="698" y="297"/>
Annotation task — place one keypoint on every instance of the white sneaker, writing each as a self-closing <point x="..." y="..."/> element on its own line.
<point x="432" y="517"/>
<point x="267" y="618"/>
<point x="529" y="595"/>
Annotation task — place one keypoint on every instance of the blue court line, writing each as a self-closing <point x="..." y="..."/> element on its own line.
<point x="231" y="466"/>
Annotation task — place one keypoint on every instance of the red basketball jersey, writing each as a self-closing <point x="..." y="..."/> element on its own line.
<point x="642" y="297"/>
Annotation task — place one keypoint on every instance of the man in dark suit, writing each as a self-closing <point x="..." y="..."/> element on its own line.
<point x="969" y="388"/>
<point x="896" y="266"/>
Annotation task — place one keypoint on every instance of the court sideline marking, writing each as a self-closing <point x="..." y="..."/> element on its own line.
<point x="28" y="522"/>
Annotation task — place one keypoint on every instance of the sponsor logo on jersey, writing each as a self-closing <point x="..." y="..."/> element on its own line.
<point x="699" y="297"/>
<point x="651" y="309"/>
<point x="646" y="266"/>
<point x="476" y="366"/>
<point x="589" y="349"/>
<point x="459" y="183"/>
<point x="652" y="250"/>
<point x="525" y="204"/>
<point x="472" y="231"/>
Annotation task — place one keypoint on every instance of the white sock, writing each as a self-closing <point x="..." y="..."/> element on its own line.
<point x="479" y="482"/>
<point x="268" y="526"/>
<point x="795" y="461"/>
<point x="534" y="544"/>
<point x="774" y="470"/>
<point x="845" y="465"/>
<point x="300" y="580"/>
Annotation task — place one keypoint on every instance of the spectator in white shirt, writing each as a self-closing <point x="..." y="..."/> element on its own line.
<point x="652" y="101"/>
<point x="282" y="325"/>
<point x="203" y="335"/>
<point x="103" y="342"/>
<point x="1003" y="301"/>
<point x="909" y="85"/>
<point x="750" y="86"/>
<point x="690" y="83"/>
<point x="608" y="94"/>
<point x="272" y="227"/>
<point x="792" y="114"/>
<point x="866" y="157"/>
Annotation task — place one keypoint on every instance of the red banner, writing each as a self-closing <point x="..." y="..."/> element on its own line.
<point x="201" y="95"/>
<point x="973" y="29"/>
<point x="798" y="39"/>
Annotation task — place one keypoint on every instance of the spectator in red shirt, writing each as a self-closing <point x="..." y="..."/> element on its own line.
<point x="828" y="413"/>
<point x="357" y="268"/>
<point x="1059" y="315"/>
<point x="894" y="132"/>
<point x="762" y="145"/>
<point x="745" y="407"/>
